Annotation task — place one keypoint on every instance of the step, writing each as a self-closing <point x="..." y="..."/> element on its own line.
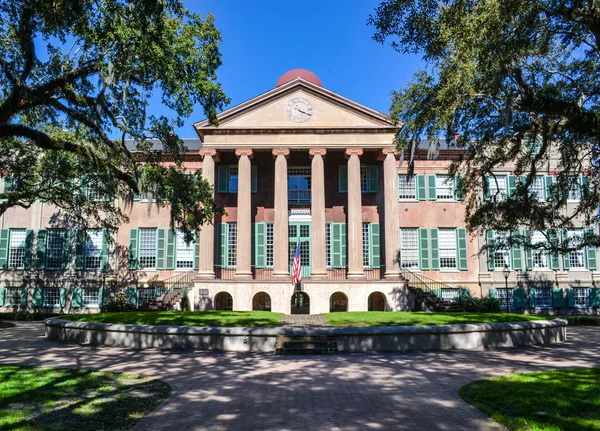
<point x="306" y="351"/>
<point x="308" y="345"/>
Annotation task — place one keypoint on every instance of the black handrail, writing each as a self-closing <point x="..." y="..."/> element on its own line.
<point x="426" y="284"/>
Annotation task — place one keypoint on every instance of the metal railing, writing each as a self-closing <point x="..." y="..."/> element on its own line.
<point x="425" y="284"/>
<point x="333" y="273"/>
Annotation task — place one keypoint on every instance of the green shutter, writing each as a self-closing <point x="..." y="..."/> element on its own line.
<point x="519" y="297"/>
<point x="83" y="187"/>
<point x="511" y="185"/>
<point x="66" y="251"/>
<point x="490" y="240"/>
<point x="554" y="258"/>
<point x="28" y="249"/>
<point x="196" y="249"/>
<point x="77" y="298"/>
<point x="80" y="239"/>
<point x="516" y="256"/>
<point x="254" y="179"/>
<point x="590" y="254"/>
<point x="343" y="243"/>
<point x="260" y="245"/>
<point x="40" y="248"/>
<point x="222" y="178"/>
<point x="23" y="299"/>
<point x="423" y="249"/>
<point x="558" y="299"/>
<point x="343" y="179"/>
<point x="336" y="244"/>
<point x="548" y="181"/>
<point x="132" y="296"/>
<point x="571" y="297"/>
<point x="435" y="249"/>
<point x="486" y="188"/>
<point x="595" y="297"/>
<point x="432" y="190"/>
<point x="4" y="245"/>
<point x="421" y="188"/>
<point x="105" y="252"/>
<point x="373" y="178"/>
<point x="375" y="246"/>
<point x="37" y="297"/>
<point x="566" y="256"/>
<point x="62" y="297"/>
<point x="458" y="188"/>
<point x="585" y="186"/>
<point x="101" y="297"/>
<point x="528" y="251"/>
<point x="2" y="296"/>
<point x="134" y="248"/>
<point x="170" y="264"/>
<point x="461" y="248"/>
<point x="161" y="240"/>
<point x="493" y="294"/>
<point x="532" y="297"/>
<point x="222" y="245"/>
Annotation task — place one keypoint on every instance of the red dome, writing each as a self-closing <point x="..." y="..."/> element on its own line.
<point x="290" y="75"/>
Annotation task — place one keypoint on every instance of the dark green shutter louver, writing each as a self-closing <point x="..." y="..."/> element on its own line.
<point x="490" y="242"/>
<point x="66" y="251"/>
<point x="528" y="251"/>
<point x="77" y="298"/>
<point x="566" y="256"/>
<point x="132" y="297"/>
<point x="343" y="179"/>
<point x="134" y="250"/>
<point x="548" y="181"/>
<point x="260" y="245"/>
<point x="196" y="249"/>
<point x="223" y="178"/>
<point x="595" y="297"/>
<point x="532" y="302"/>
<point x="343" y="244"/>
<point x="435" y="249"/>
<point x="2" y="296"/>
<point x="101" y="296"/>
<point x="487" y="194"/>
<point x="375" y="246"/>
<point x="254" y="179"/>
<point x="493" y="293"/>
<point x="23" y="298"/>
<point x="511" y="185"/>
<point x="104" y="254"/>
<point x="423" y="249"/>
<point x="37" y="297"/>
<point x="432" y="188"/>
<point x="161" y="240"/>
<point x="461" y="248"/>
<point x="4" y="246"/>
<point x="585" y="187"/>
<point x="516" y="256"/>
<point x="571" y="297"/>
<point x="40" y="248"/>
<point x="421" y="188"/>
<point x="62" y="297"/>
<point x="222" y="245"/>
<point x="554" y="258"/>
<point x="373" y="178"/>
<point x="336" y="244"/>
<point x="171" y="249"/>
<point x="80" y="240"/>
<point x="558" y="299"/>
<point x="459" y="194"/>
<point x="590" y="254"/>
<point x="519" y="297"/>
<point x="27" y="252"/>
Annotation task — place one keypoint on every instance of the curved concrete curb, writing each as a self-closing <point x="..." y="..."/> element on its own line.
<point x="379" y="338"/>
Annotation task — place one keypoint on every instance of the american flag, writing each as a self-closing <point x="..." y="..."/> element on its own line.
<point x="297" y="267"/>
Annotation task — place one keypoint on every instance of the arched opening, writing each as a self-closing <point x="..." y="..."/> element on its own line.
<point x="338" y="302"/>
<point x="377" y="301"/>
<point x="261" y="301"/>
<point x="223" y="301"/>
<point x="300" y="303"/>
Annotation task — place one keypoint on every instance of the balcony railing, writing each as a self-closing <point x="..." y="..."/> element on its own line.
<point x="333" y="273"/>
<point x="299" y="196"/>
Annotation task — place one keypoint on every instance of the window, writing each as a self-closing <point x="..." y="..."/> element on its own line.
<point x="497" y="186"/>
<point x="450" y="294"/>
<point x="95" y="193"/>
<point x="16" y="249"/>
<point x="540" y="255"/>
<point x="364" y="179"/>
<point x="146" y="295"/>
<point x="407" y="188"/>
<point x="574" y="190"/>
<point x="93" y="249"/>
<point x="299" y="185"/>
<point x="366" y="245"/>
<point x="54" y="249"/>
<point x="328" y="245"/>
<point x="543" y="297"/>
<point x="147" y="248"/>
<point x="90" y="297"/>
<point x="537" y="187"/>
<point x="232" y="183"/>
<point x="502" y="297"/>
<point x="51" y="297"/>
<point x="270" y="244"/>
<point x="184" y="253"/>
<point x="231" y="244"/>
<point x="581" y="296"/>
<point x="444" y="187"/>
<point x="13" y="295"/>
<point x="576" y="258"/>
<point x="501" y="252"/>
<point x="409" y="248"/>
<point x="447" y="246"/>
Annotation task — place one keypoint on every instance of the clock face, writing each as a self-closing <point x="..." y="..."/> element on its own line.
<point x="299" y="110"/>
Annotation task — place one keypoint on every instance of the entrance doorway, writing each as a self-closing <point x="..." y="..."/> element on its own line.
<point x="338" y="302"/>
<point x="377" y="301"/>
<point x="300" y="303"/>
<point x="223" y="301"/>
<point x="300" y="232"/>
<point x="261" y="301"/>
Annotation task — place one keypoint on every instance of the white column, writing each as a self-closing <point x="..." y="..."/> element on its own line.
<point x="206" y="264"/>
<point x="390" y="190"/>
<point x="280" y="227"/>
<point x="355" y="239"/>
<point x="243" y="267"/>
<point x="317" y="199"/>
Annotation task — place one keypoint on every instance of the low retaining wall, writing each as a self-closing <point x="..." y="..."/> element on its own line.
<point x="378" y="339"/>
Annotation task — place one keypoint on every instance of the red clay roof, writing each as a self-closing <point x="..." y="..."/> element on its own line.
<point x="290" y="75"/>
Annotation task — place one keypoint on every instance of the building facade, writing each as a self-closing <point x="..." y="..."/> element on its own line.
<point x="296" y="166"/>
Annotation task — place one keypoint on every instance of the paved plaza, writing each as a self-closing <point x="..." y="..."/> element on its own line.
<point x="226" y="391"/>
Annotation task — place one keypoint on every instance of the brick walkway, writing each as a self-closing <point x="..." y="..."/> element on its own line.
<point x="304" y="320"/>
<point x="226" y="391"/>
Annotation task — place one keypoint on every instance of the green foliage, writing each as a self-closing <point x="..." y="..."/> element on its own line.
<point x="583" y="320"/>
<point x="117" y="303"/>
<point x="564" y="399"/>
<point x="478" y="305"/>
<point x="75" y="73"/>
<point x="504" y="79"/>
<point x="24" y="316"/>
<point x="60" y="399"/>
<point x="185" y="303"/>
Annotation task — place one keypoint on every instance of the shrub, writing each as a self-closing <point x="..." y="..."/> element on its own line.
<point x="117" y="303"/>
<point x="478" y="305"/>
<point x="185" y="303"/>
<point x="22" y="315"/>
<point x="584" y="320"/>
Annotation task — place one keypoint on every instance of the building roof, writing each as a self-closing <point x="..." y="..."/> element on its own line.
<point x="290" y="75"/>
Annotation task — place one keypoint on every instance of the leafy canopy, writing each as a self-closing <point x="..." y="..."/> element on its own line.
<point x="501" y="76"/>
<point x="74" y="74"/>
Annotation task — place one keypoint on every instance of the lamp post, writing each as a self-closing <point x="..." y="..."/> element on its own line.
<point x="506" y="273"/>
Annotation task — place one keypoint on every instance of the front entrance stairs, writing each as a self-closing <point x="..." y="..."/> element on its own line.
<point x="306" y="345"/>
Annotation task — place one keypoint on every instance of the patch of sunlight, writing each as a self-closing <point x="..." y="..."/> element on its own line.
<point x="226" y="417"/>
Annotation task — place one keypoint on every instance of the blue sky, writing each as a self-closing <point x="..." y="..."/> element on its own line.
<point x="264" y="39"/>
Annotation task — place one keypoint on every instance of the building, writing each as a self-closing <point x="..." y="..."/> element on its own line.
<point x="297" y="164"/>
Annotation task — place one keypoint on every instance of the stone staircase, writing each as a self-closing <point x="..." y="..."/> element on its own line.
<point x="306" y="345"/>
<point x="433" y="303"/>
<point x="424" y="289"/>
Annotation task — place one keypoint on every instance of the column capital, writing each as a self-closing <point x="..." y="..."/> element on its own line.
<point x="244" y="152"/>
<point x="314" y="151"/>
<point x="209" y="152"/>
<point x="281" y="151"/>
<point x="388" y="150"/>
<point x="351" y="151"/>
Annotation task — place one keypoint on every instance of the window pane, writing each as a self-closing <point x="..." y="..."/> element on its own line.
<point x="90" y="297"/>
<point x="407" y="188"/>
<point x="184" y="252"/>
<point x="299" y="184"/>
<point x="543" y="297"/>
<point x="93" y="249"/>
<point x="498" y="187"/>
<point x="581" y="296"/>
<point x="409" y="248"/>
<point x="537" y="187"/>
<point x="148" y="248"/>
<point x="13" y="295"/>
<point x="444" y="186"/>
<point x="270" y="244"/>
<point x="576" y="258"/>
<point x="17" y="248"/>
<point x="51" y="296"/>
<point x="328" y="244"/>
<point x="450" y="294"/>
<point x="540" y="255"/>
<point x="502" y="297"/>
<point x="231" y="244"/>
<point x="232" y="187"/>
<point x="54" y="249"/>
<point x="364" y="180"/>
<point x="447" y="248"/>
<point x="501" y="251"/>
<point x="366" y="248"/>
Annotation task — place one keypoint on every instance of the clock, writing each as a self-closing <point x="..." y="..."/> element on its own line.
<point x="299" y="110"/>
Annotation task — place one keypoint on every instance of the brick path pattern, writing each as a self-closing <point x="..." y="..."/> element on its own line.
<point x="227" y="391"/>
<point x="304" y="320"/>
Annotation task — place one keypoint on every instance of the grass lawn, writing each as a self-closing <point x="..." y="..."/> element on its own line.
<point x="381" y="318"/>
<point x="56" y="399"/>
<point x="566" y="399"/>
<point x="184" y="318"/>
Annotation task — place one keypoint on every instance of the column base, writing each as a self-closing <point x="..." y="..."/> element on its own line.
<point x="281" y="274"/>
<point x="318" y="275"/>
<point x="243" y="275"/>
<point x="355" y="275"/>
<point x="209" y="275"/>
<point x="391" y="275"/>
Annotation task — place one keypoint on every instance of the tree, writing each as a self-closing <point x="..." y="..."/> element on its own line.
<point x="512" y="83"/>
<point x="75" y="74"/>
